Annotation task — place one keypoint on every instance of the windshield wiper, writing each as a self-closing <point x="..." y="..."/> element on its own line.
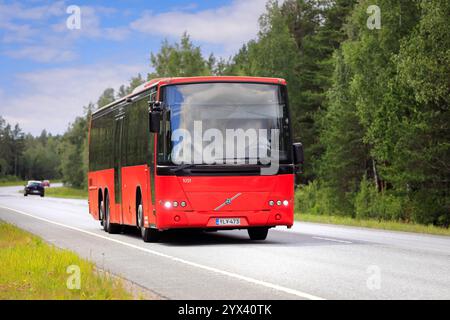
<point x="182" y="167"/>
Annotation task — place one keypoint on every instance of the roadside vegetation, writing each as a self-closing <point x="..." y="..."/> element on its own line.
<point x="11" y="181"/>
<point x="372" y="223"/>
<point x="66" y="192"/>
<point x="369" y="105"/>
<point x="33" y="269"/>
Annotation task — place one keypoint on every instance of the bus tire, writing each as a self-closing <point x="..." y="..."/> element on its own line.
<point x="107" y="225"/>
<point x="101" y="214"/>
<point x="102" y="205"/>
<point x="258" y="233"/>
<point x="148" y="234"/>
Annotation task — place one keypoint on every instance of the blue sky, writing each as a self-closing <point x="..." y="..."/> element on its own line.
<point x="49" y="72"/>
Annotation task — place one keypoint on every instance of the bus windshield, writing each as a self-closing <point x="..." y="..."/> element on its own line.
<point x="225" y="123"/>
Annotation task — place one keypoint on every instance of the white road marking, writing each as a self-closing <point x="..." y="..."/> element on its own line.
<point x="334" y="240"/>
<point x="186" y="262"/>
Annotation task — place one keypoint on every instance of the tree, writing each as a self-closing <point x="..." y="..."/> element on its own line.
<point x="73" y="154"/>
<point x="296" y="42"/>
<point x="11" y="149"/>
<point x="421" y="146"/>
<point x="179" y="60"/>
<point x="126" y="90"/>
<point x="346" y="157"/>
<point x="106" y="98"/>
<point x="41" y="160"/>
<point x="17" y="149"/>
<point x="273" y="54"/>
<point x="218" y="67"/>
<point x="317" y="27"/>
<point x="6" y="153"/>
<point x="386" y="119"/>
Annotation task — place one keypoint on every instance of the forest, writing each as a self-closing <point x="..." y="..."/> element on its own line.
<point x="369" y="102"/>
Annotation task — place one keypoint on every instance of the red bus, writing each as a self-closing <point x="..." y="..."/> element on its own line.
<point x="152" y="164"/>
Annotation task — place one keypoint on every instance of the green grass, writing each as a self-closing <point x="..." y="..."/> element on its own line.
<point x="66" y="192"/>
<point x="33" y="270"/>
<point x="12" y="183"/>
<point x="376" y="224"/>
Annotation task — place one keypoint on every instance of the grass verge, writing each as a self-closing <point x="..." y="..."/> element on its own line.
<point x="375" y="224"/>
<point x="12" y="183"/>
<point x="33" y="270"/>
<point x="66" y="192"/>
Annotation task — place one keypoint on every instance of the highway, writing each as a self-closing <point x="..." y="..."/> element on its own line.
<point x="309" y="261"/>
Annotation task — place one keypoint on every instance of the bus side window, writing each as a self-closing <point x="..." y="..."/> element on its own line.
<point x="124" y="148"/>
<point x="150" y="136"/>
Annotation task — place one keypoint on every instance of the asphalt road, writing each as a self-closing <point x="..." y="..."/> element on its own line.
<point x="309" y="261"/>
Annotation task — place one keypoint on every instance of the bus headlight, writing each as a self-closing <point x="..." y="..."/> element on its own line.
<point x="286" y="203"/>
<point x="279" y="202"/>
<point x="167" y="204"/>
<point x="271" y="203"/>
<point x="175" y="204"/>
<point x="183" y="204"/>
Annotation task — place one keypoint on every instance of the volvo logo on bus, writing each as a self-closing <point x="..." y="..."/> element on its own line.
<point x="227" y="201"/>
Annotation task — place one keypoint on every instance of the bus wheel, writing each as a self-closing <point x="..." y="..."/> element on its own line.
<point x="101" y="214"/>
<point x="148" y="234"/>
<point x="258" y="233"/>
<point x="107" y="225"/>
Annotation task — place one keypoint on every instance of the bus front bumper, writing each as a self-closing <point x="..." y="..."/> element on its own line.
<point x="224" y="220"/>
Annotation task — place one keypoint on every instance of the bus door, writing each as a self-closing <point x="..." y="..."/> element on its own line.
<point x="118" y="136"/>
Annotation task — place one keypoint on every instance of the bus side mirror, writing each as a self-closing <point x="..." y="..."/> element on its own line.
<point x="299" y="157"/>
<point x="154" y="121"/>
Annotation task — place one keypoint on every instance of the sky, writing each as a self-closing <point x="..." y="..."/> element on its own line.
<point x="49" y="71"/>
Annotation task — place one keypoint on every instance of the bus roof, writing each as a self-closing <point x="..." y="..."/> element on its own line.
<point x="182" y="80"/>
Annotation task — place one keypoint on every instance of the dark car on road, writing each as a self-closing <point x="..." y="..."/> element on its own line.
<point x="34" y="187"/>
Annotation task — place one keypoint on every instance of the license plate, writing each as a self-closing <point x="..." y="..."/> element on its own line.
<point x="36" y="191"/>
<point x="228" y="221"/>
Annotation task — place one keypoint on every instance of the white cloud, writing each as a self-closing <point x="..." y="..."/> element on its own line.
<point x="229" y="26"/>
<point x="18" y="11"/>
<point x="42" y="54"/>
<point x="17" y="32"/>
<point x="53" y="98"/>
<point x="16" y="19"/>
<point x="91" y="25"/>
<point x="40" y="33"/>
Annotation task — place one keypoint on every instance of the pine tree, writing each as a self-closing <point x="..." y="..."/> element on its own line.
<point x="346" y="157"/>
